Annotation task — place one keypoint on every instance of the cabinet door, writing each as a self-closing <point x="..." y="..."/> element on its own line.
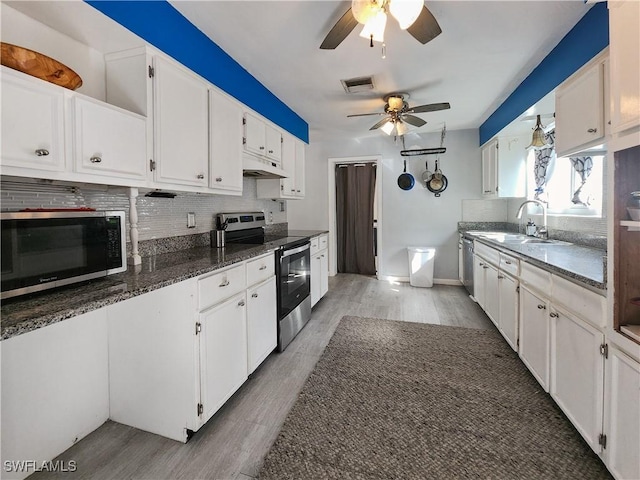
<point x="262" y="322"/>
<point x="479" y="280"/>
<point x="580" y="111"/>
<point x="254" y="135"/>
<point x="32" y="125"/>
<point x="491" y="292"/>
<point x="316" y="267"/>
<point x="181" y="126"/>
<point x="108" y="141"/>
<point x="223" y="353"/>
<point x="225" y="166"/>
<point x="324" y="273"/>
<point x="624" y="51"/>
<point x="622" y="415"/>
<point x="534" y="335"/>
<point x="490" y="168"/>
<point x="508" y="315"/>
<point x="273" y="143"/>
<point x="577" y="374"/>
<point x="300" y="169"/>
<point x="288" y="185"/>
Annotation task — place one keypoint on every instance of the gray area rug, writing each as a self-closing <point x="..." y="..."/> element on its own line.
<point x="404" y="400"/>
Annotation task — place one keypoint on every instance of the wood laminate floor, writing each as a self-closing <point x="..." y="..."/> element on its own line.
<point x="234" y="442"/>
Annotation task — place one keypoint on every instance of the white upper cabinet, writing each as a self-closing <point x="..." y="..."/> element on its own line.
<point x="108" y="140"/>
<point x="32" y="124"/>
<point x="490" y="168"/>
<point x="624" y="50"/>
<point x="262" y="139"/>
<point x="225" y="149"/>
<point x="181" y="125"/>
<point x="580" y="110"/>
<point x="293" y="163"/>
<point x="504" y="167"/>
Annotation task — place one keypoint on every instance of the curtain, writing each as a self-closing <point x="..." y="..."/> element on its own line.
<point x="355" y="190"/>
<point x="543" y="158"/>
<point x="583" y="166"/>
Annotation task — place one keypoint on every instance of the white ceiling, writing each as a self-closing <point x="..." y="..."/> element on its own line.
<point x="486" y="49"/>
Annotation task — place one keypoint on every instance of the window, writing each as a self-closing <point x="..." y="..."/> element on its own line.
<point x="562" y="183"/>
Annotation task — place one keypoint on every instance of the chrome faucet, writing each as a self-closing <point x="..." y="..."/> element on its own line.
<point x="541" y="232"/>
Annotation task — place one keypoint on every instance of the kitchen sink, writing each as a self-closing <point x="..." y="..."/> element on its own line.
<point x="519" y="239"/>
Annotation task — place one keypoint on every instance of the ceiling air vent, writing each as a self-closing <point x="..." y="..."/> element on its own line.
<point x="360" y="84"/>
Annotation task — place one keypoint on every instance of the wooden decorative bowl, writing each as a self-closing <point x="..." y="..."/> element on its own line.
<point x="39" y="65"/>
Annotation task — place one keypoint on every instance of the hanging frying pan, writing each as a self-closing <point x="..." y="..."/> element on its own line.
<point x="438" y="182"/>
<point x="426" y="175"/>
<point x="406" y="180"/>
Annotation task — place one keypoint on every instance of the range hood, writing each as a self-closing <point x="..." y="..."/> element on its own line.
<point x="252" y="167"/>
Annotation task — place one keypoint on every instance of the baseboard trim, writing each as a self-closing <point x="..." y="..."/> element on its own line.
<point x="436" y="281"/>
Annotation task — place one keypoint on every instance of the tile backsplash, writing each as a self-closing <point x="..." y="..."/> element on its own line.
<point x="157" y="217"/>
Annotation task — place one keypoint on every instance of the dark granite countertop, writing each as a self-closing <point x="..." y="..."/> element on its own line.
<point x="306" y="233"/>
<point x="24" y="314"/>
<point x="584" y="265"/>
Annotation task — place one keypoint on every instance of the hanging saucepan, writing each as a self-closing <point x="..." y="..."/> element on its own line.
<point x="426" y="175"/>
<point x="438" y="182"/>
<point x="406" y="180"/>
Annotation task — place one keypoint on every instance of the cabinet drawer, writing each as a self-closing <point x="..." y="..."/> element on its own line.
<point x="536" y="278"/>
<point x="582" y="302"/>
<point x="260" y="269"/>
<point x="490" y="254"/>
<point x="323" y="242"/>
<point x="315" y="245"/>
<point x="221" y="285"/>
<point x="509" y="264"/>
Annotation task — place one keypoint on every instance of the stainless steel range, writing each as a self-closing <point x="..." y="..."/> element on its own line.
<point x="293" y="268"/>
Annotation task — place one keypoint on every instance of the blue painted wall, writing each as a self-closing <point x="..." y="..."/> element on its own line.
<point x="161" y="25"/>
<point x="585" y="40"/>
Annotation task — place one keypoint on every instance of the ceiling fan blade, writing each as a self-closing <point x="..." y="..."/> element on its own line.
<point x="425" y="28"/>
<point x="340" y="31"/>
<point x="413" y="120"/>
<point x="431" y="107"/>
<point x="381" y="123"/>
<point x="365" y="114"/>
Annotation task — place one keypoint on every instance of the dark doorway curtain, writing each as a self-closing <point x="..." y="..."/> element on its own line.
<point x="355" y="191"/>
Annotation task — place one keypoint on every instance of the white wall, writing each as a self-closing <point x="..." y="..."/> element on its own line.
<point x="414" y="217"/>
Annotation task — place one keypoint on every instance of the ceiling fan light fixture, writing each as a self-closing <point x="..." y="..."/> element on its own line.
<point x="405" y="11"/>
<point x="388" y="127"/>
<point x="395" y="103"/>
<point x="364" y="10"/>
<point x="401" y="128"/>
<point x="374" y="28"/>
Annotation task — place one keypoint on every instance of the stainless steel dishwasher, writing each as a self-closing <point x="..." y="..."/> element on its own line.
<point x="467" y="258"/>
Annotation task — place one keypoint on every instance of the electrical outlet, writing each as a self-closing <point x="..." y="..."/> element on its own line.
<point x="191" y="220"/>
<point x="282" y="204"/>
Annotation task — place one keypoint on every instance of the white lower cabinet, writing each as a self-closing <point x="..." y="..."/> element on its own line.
<point x="534" y="335"/>
<point x="622" y="415"/>
<point x="577" y="373"/>
<point x="223" y="353"/>
<point x="491" y="293"/>
<point x="508" y="309"/>
<point x="479" y="280"/>
<point x="319" y="268"/>
<point x="262" y="322"/>
<point x="55" y="389"/>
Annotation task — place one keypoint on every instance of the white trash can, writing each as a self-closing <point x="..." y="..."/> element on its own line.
<point x="421" y="261"/>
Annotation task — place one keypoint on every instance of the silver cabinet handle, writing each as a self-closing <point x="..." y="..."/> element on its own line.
<point x="218" y="179"/>
<point x="270" y="151"/>
<point x="553" y="315"/>
<point x="200" y="176"/>
<point x="224" y="284"/>
<point x="317" y="258"/>
<point x="298" y="191"/>
<point x="95" y="159"/>
<point x="261" y="148"/>
<point x="507" y="262"/>
<point x="592" y="130"/>
<point x="42" y="152"/>
<point x="542" y="307"/>
<point x="322" y="256"/>
<point x="255" y="295"/>
<point x="480" y="264"/>
<point x="263" y="267"/>
<point x="241" y="303"/>
<point x="500" y="277"/>
<point x="484" y="266"/>
<point x="293" y="190"/>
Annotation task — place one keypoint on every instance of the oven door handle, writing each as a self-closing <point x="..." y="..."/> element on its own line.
<point x="288" y="253"/>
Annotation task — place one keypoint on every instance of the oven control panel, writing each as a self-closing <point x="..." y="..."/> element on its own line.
<point x="239" y="220"/>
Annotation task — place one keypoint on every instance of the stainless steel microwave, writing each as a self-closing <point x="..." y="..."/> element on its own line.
<point x="48" y="249"/>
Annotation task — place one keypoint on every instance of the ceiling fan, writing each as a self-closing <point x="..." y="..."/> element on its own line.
<point x="398" y="114"/>
<point x="412" y="15"/>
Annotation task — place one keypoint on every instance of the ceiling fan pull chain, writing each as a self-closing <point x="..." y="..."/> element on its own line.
<point x="371" y="40"/>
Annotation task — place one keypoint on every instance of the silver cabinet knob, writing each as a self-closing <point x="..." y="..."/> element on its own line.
<point x="261" y="148"/>
<point x="542" y="307"/>
<point x="298" y="191"/>
<point x="484" y="266"/>
<point x="270" y="151"/>
<point x="95" y="159"/>
<point x="241" y="303"/>
<point x="224" y="284"/>
<point x="218" y="179"/>
<point x="507" y="262"/>
<point x="553" y="315"/>
<point x="254" y="295"/>
<point x="200" y="176"/>
<point x="42" y="152"/>
<point x="592" y="130"/>
<point x="263" y="267"/>
<point x="500" y="277"/>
